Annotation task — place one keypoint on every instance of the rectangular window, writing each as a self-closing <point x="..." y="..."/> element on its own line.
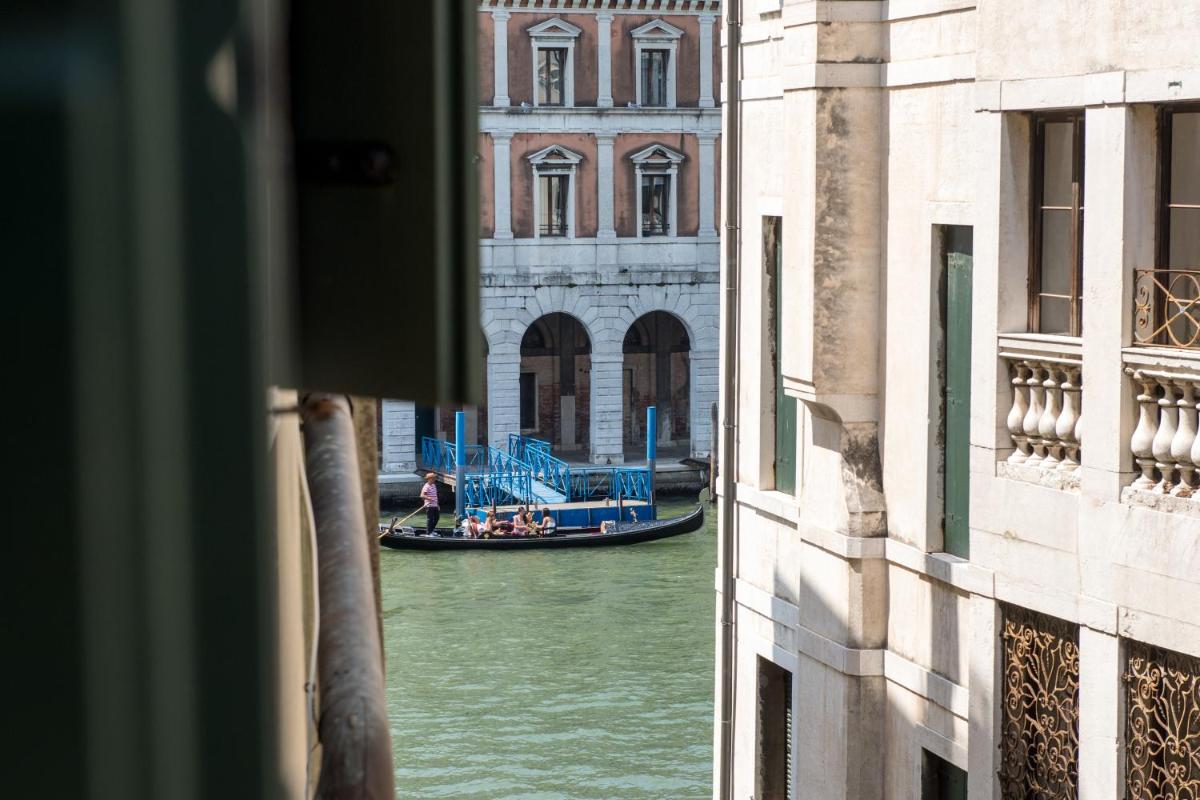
<point x="552" y="201"/>
<point x="1162" y="725"/>
<point x="784" y="406"/>
<point x="656" y="199"/>
<point x="1056" y="253"/>
<point x="528" y="401"/>
<point x="552" y="77"/>
<point x="654" y="77"/>
<point x="773" y="739"/>
<point x="1167" y="297"/>
<point x="941" y="780"/>
<point x="1039" y="740"/>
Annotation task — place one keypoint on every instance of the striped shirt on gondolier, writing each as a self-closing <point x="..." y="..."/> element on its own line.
<point x="429" y="495"/>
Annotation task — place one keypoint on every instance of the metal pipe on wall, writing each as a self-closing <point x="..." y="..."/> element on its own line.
<point x="356" y="757"/>
<point x="731" y="160"/>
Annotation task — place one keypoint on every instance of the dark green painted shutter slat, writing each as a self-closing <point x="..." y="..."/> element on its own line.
<point x="958" y="400"/>
<point x="785" y="406"/>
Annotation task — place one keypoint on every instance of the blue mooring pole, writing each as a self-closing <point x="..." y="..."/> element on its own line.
<point x="651" y="445"/>
<point x="460" y="464"/>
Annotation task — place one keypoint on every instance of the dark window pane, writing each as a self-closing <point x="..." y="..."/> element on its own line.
<point x="1185" y="238"/>
<point x="1055" y="315"/>
<point x="1057" y="149"/>
<point x="654" y="77"/>
<point x="655" y="205"/>
<point x="551" y="78"/>
<point x="528" y="400"/>
<point x="1057" y="260"/>
<point x="552" y="200"/>
<point x="1185" y="158"/>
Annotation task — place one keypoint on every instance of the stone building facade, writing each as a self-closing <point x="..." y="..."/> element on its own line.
<point x="598" y="169"/>
<point x="967" y="525"/>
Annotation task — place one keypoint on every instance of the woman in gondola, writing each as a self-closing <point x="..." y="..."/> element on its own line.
<point x="520" y="525"/>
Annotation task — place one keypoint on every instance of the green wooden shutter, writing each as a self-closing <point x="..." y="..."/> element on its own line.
<point x="958" y="390"/>
<point x="785" y="406"/>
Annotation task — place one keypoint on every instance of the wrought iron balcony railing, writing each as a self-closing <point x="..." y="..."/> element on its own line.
<point x="1166" y="307"/>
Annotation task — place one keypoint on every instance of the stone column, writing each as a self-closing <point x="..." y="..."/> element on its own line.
<point x="500" y="57"/>
<point x="1118" y="237"/>
<point x="501" y="166"/>
<point x="604" y="59"/>
<point x="706" y="60"/>
<point x="504" y="393"/>
<point x="399" y="436"/>
<point x="1101" y="757"/>
<point x="707" y="169"/>
<point x="704" y="391"/>
<point x="606" y="395"/>
<point x="604" y="185"/>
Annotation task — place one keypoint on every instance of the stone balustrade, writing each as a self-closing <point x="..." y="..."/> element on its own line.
<point x="1045" y="419"/>
<point x="1166" y="449"/>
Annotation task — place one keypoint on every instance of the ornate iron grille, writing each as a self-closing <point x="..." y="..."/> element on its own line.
<point x="1039" y="742"/>
<point x="1166" y="307"/>
<point x="1162" y="725"/>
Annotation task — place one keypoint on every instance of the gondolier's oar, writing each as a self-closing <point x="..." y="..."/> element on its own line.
<point x="394" y="524"/>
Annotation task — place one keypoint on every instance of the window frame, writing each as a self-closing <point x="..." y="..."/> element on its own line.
<point x="564" y="176"/>
<point x="666" y="178"/>
<point x="1037" y="209"/>
<point x="658" y="159"/>
<point x="539" y="80"/>
<point x="553" y="34"/>
<point x="644" y="56"/>
<point x="554" y="160"/>
<point x="657" y="34"/>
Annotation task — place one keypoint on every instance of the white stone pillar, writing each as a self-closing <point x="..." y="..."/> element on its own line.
<point x="604" y="185"/>
<point x="1101" y="758"/>
<point x="504" y="394"/>
<point x="606" y="412"/>
<point x="500" y="57"/>
<point x="706" y="60"/>
<point x="398" y="425"/>
<point x="708" y="199"/>
<point x="984" y="683"/>
<point x="604" y="59"/>
<point x="1118" y="237"/>
<point x="501" y="167"/>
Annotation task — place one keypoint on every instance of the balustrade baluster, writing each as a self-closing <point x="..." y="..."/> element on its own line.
<point x="1068" y="420"/>
<point x="1048" y="423"/>
<point x="1142" y="441"/>
<point x="1033" y="416"/>
<point x="1016" y="415"/>
<point x="1185" y="440"/>
<point x="1168" y="422"/>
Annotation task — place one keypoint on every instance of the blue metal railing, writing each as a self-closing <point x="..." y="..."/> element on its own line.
<point x="494" y="476"/>
<point x="598" y="483"/>
<point x="520" y="445"/>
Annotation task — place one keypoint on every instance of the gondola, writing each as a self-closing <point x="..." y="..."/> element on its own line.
<point x="625" y="533"/>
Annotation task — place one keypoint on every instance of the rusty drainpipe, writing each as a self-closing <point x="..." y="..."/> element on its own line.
<point x="731" y="161"/>
<point x="356" y="749"/>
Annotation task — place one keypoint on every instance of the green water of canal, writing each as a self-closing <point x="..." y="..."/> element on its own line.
<point x="553" y="674"/>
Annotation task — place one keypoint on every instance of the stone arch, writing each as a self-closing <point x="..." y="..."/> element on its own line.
<point x="555" y="381"/>
<point x="656" y="371"/>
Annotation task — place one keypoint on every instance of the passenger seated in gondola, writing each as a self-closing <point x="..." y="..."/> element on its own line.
<point x="489" y="529"/>
<point x="549" y="524"/>
<point x="520" y="525"/>
<point x="535" y="526"/>
<point x="471" y="527"/>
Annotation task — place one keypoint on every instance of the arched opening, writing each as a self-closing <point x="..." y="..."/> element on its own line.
<point x="556" y="361"/>
<point x="657" y="372"/>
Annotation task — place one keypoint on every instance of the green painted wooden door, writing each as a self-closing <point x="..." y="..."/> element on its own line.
<point x="958" y="389"/>
<point x="785" y="406"/>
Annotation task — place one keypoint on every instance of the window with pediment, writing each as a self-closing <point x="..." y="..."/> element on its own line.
<point x="554" y="170"/>
<point x="657" y="180"/>
<point x="656" y="46"/>
<point x="553" y="44"/>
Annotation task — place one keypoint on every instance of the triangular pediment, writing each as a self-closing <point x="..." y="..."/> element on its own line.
<point x="554" y="155"/>
<point x="554" y="29"/>
<point x="657" y="154"/>
<point x="656" y="29"/>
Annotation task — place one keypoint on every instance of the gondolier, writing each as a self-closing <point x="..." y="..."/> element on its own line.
<point x="433" y="511"/>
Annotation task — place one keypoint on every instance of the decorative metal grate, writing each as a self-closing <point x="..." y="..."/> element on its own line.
<point x="1166" y="307"/>
<point x="1039" y="741"/>
<point x="1162" y="726"/>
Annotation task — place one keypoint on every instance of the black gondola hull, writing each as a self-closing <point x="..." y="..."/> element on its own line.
<point x="634" y="533"/>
